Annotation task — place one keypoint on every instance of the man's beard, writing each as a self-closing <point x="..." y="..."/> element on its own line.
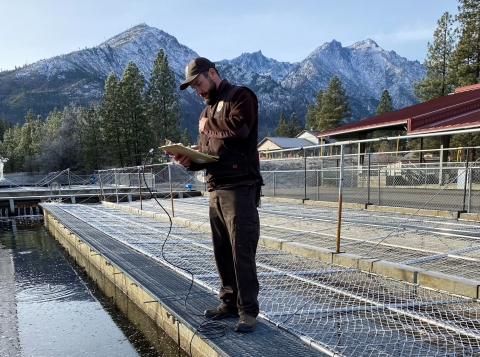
<point x="212" y="93"/>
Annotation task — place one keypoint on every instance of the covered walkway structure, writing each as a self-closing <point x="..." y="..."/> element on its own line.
<point x="454" y="112"/>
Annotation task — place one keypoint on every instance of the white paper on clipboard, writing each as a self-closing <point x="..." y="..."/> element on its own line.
<point x="194" y="155"/>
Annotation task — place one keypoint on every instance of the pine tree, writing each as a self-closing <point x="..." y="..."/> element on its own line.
<point x="385" y="103"/>
<point x="68" y="143"/>
<point x="135" y="126"/>
<point x="439" y="78"/>
<point x="312" y="118"/>
<point x="91" y="138"/>
<point x="162" y="102"/>
<point x="113" y="128"/>
<point x="281" y="130"/>
<point x="293" y="126"/>
<point x="30" y="139"/>
<point x="63" y="151"/>
<point x="52" y="123"/>
<point x="11" y="138"/>
<point x="186" y="139"/>
<point x="336" y="106"/>
<point x="467" y="53"/>
<point x="384" y="106"/>
<point x="4" y="125"/>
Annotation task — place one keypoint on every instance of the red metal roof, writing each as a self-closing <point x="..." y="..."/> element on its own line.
<point x="462" y="121"/>
<point x="454" y="109"/>
<point x="463" y="89"/>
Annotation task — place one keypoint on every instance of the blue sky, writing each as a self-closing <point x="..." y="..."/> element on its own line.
<point x="32" y="30"/>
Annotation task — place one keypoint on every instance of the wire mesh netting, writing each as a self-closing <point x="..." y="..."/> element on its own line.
<point x="410" y="240"/>
<point x="347" y="311"/>
<point x="381" y="179"/>
<point x="386" y="179"/>
<point x="50" y="181"/>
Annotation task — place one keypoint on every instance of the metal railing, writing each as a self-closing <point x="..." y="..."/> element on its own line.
<point x="384" y="179"/>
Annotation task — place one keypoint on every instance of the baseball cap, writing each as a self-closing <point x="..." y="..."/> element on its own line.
<point x="194" y="68"/>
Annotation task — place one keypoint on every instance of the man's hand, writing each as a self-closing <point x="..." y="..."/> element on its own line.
<point x="201" y="124"/>
<point x="180" y="159"/>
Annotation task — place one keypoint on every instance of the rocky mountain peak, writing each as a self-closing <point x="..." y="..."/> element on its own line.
<point x="258" y="63"/>
<point x="129" y="35"/>
<point x="364" y="68"/>
<point x="365" y="45"/>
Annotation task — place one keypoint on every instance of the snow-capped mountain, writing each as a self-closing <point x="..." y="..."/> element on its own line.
<point x="79" y="77"/>
<point x="258" y="63"/>
<point x="365" y="70"/>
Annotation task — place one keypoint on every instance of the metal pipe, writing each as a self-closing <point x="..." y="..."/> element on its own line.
<point x="305" y="176"/>
<point x="379" y="173"/>
<point x="140" y="187"/>
<point x="116" y="183"/>
<point x="440" y="174"/>
<point x="274" y="183"/>
<point x="470" y="189"/>
<point x="368" y="179"/>
<point x="153" y="179"/>
<point x="101" y="186"/>
<point x="171" y="191"/>
<point x="340" y="198"/>
<point x="465" y="181"/>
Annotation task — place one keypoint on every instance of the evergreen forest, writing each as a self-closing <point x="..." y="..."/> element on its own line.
<point x="136" y="115"/>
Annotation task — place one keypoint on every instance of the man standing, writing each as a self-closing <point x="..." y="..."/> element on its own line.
<point x="228" y="129"/>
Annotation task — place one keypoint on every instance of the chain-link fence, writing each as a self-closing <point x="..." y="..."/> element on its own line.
<point x="163" y="179"/>
<point x="384" y="179"/>
<point x="447" y="180"/>
<point x="345" y="310"/>
<point x="58" y="179"/>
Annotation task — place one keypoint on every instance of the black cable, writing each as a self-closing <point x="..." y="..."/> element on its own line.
<point x="210" y="329"/>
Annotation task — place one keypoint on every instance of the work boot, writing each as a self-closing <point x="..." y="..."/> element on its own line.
<point x="220" y="312"/>
<point x="246" y="323"/>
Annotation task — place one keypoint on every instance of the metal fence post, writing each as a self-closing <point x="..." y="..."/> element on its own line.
<point x="340" y="198"/>
<point x="470" y="189"/>
<point x="140" y="188"/>
<point x="440" y="174"/>
<point x="465" y="182"/>
<point x="274" y="183"/>
<point x="368" y="180"/>
<point x="304" y="175"/>
<point x="321" y="174"/>
<point x="116" y="182"/>
<point x="426" y="174"/>
<point x="171" y="190"/>
<point x="379" y="173"/>
<point x="153" y="179"/>
<point x="318" y="187"/>
<point x="101" y="186"/>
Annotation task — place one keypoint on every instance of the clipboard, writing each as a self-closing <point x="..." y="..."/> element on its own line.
<point x="195" y="156"/>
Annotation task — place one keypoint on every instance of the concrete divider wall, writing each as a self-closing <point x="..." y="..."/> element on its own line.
<point x="142" y="308"/>
<point x="411" y="274"/>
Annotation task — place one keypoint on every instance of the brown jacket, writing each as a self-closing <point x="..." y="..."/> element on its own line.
<point x="232" y="134"/>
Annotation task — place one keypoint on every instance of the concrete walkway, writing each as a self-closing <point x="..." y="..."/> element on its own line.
<point x="9" y="339"/>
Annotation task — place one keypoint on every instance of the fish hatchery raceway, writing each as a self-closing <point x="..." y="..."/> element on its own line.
<point x="402" y="284"/>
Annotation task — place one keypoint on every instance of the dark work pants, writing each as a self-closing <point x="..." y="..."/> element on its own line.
<point x="235" y="232"/>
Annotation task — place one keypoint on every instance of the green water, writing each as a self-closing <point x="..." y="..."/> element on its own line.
<point x="49" y="308"/>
